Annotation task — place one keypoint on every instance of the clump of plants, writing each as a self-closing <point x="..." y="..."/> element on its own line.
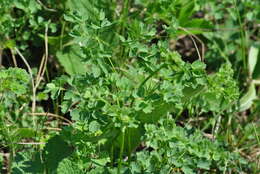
<point x="109" y="90"/>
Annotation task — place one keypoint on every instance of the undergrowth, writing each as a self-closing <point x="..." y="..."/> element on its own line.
<point x="113" y="86"/>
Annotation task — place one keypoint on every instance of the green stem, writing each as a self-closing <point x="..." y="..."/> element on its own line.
<point x="151" y="75"/>
<point x="129" y="146"/>
<point x="62" y="34"/>
<point x="123" y="17"/>
<point x="121" y="151"/>
<point x="123" y="22"/>
<point x="242" y="34"/>
<point x="112" y="155"/>
<point x="256" y="135"/>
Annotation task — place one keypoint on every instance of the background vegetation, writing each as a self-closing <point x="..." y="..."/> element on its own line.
<point x="129" y="86"/>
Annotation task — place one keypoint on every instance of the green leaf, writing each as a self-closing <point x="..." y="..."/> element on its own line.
<point x="70" y="59"/>
<point x="186" y="11"/>
<point x="198" y="65"/>
<point x="51" y="86"/>
<point x="256" y="72"/>
<point x="160" y="110"/>
<point x="196" y="26"/>
<point x="14" y="80"/>
<point x="24" y="133"/>
<point x="27" y="162"/>
<point x="101" y="161"/>
<point x="94" y="126"/>
<point x="252" y="59"/>
<point x="66" y="166"/>
<point x="204" y="165"/>
<point x="86" y="8"/>
<point x="190" y="92"/>
<point x="247" y="100"/>
<point x="55" y="151"/>
<point x="10" y="44"/>
<point x="187" y="170"/>
<point x="87" y="94"/>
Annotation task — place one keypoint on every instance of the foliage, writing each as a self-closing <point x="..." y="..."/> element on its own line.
<point x="114" y="93"/>
<point x="14" y="83"/>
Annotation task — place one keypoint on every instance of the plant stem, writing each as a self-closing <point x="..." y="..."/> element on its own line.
<point x="62" y="34"/>
<point x="121" y="151"/>
<point x="112" y="154"/>
<point x="129" y="146"/>
<point x="243" y="36"/>
<point x="123" y="22"/>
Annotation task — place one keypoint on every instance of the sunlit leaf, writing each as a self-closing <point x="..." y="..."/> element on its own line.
<point x="247" y="100"/>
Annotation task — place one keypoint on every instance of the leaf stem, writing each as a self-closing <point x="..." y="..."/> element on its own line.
<point x="129" y="146"/>
<point x="242" y="34"/>
<point x="121" y="151"/>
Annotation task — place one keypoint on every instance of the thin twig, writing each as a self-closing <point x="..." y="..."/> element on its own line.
<point x="31" y="143"/>
<point x="197" y="119"/>
<point x="21" y="108"/>
<point x="201" y="57"/>
<point x="31" y="75"/>
<point x="53" y="128"/>
<point x="46" y="8"/>
<point x="51" y="115"/>
<point x="39" y="72"/>
<point x="214" y="29"/>
<point x="210" y="136"/>
<point x="44" y="60"/>
<point x="36" y="83"/>
<point x="46" y="50"/>
<point x="13" y="57"/>
<point x="217" y="125"/>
